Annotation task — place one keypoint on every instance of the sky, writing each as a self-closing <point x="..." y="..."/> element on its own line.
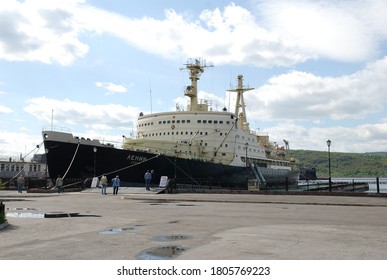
<point x="318" y="68"/>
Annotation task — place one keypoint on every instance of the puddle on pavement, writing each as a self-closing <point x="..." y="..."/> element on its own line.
<point x="160" y="253"/>
<point x="21" y="209"/>
<point x="164" y="238"/>
<point x="124" y="230"/>
<point x="37" y="215"/>
<point x="174" y="222"/>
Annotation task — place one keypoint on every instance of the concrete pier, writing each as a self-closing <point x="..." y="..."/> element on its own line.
<point x="88" y="225"/>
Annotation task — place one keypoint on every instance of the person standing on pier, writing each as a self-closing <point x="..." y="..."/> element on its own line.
<point x="104" y="182"/>
<point x="20" y="184"/>
<point x="116" y="184"/>
<point x="59" y="184"/>
<point x="148" y="178"/>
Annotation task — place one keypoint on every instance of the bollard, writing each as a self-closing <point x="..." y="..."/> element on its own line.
<point x="2" y="214"/>
<point x="377" y="185"/>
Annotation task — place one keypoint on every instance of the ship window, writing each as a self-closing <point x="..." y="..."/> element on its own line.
<point x="188" y="121"/>
<point x="168" y="121"/>
<point x="186" y="133"/>
<point x="204" y="121"/>
<point x="228" y="122"/>
<point x="221" y="122"/>
<point x="215" y="122"/>
<point x="223" y="154"/>
<point x="159" y="122"/>
<point x="177" y="121"/>
<point x="173" y="121"/>
<point x="205" y="144"/>
<point x="12" y="167"/>
<point x="201" y="133"/>
<point x="232" y="117"/>
<point x="206" y="133"/>
<point x="151" y="123"/>
<point x="183" y="121"/>
<point x="164" y="122"/>
<point x="168" y="133"/>
<point x="172" y="133"/>
<point x="199" y="121"/>
<point x="210" y="121"/>
<point x="191" y="132"/>
<point x="226" y="145"/>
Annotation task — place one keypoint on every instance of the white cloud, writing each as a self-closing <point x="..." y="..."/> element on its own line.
<point x="282" y="33"/>
<point x="44" y="31"/>
<point x="339" y="30"/>
<point x="361" y="138"/>
<point x="12" y="144"/>
<point x="68" y="112"/>
<point x="300" y="95"/>
<point x="5" y="110"/>
<point x="111" y="88"/>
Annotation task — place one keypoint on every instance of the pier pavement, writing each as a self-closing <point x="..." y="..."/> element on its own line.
<point x="91" y="226"/>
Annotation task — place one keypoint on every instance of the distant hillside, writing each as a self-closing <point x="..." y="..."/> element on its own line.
<point x="343" y="164"/>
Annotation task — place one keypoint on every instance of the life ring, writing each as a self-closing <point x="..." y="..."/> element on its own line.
<point x="173" y="126"/>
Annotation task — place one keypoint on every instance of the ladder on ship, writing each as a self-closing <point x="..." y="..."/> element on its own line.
<point x="258" y="174"/>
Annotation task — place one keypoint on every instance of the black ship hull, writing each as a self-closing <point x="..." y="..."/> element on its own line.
<point x="78" y="162"/>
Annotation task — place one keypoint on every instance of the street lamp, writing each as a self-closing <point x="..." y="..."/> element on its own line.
<point x="95" y="160"/>
<point x="247" y="171"/>
<point x="175" y="149"/>
<point x="329" y="142"/>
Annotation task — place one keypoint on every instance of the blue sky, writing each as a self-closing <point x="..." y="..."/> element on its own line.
<point x="319" y="68"/>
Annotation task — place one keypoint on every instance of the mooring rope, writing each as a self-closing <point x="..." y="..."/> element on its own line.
<point x="26" y="164"/>
<point x="71" y="163"/>
<point x="193" y="179"/>
<point x="117" y="170"/>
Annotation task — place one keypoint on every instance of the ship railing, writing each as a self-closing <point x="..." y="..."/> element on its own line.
<point x="56" y="128"/>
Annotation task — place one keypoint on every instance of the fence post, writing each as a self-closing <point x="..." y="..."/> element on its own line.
<point x="377" y="185"/>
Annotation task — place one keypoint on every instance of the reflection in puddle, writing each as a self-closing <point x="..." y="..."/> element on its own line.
<point x="160" y="253"/>
<point x="117" y="231"/>
<point x="163" y="238"/>
<point x="21" y="209"/>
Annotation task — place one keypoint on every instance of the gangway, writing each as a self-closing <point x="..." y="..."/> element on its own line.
<point x="258" y="174"/>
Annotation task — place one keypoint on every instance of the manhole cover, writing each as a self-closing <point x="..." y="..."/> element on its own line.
<point x="160" y="253"/>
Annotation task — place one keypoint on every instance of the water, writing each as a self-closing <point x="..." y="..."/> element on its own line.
<point x="371" y="182"/>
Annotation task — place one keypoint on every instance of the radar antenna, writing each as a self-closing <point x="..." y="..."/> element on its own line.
<point x="196" y="68"/>
<point x="240" y="104"/>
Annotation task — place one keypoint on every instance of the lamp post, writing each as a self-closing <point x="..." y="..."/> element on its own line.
<point x="175" y="150"/>
<point x="247" y="174"/>
<point x="95" y="160"/>
<point x="329" y="142"/>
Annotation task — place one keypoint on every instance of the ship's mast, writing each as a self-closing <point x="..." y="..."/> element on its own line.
<point x="240" y="104"/>
<point x="196" y="68"/>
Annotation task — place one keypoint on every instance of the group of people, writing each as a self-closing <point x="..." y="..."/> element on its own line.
<point x="115" y="183"/>
<point x="148" y="176"/>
